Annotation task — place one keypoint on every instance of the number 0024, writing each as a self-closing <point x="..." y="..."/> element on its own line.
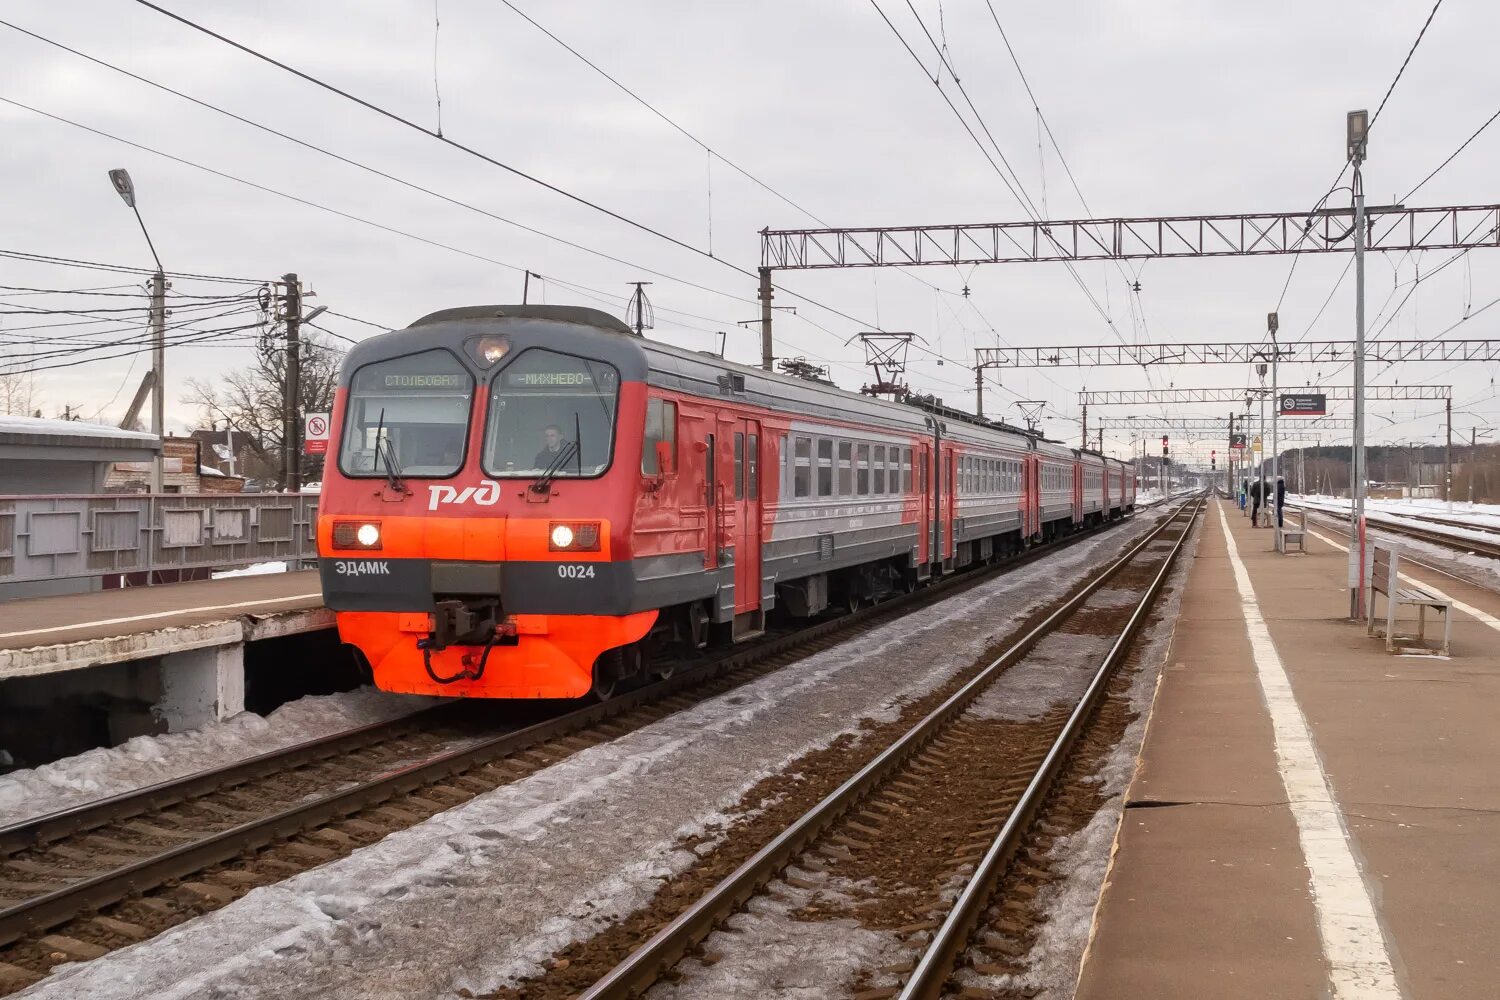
<point x="569" y="571"/>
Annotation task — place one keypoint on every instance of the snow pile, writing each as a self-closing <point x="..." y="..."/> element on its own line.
<point x="254" y="569"/>
<point x="481" y="895"/>
<point x="147" y="760"/>
<point x="72" y="428"/>
<point x="1379" y="512"/>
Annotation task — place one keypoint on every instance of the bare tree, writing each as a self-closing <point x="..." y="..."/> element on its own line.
<point x="18" y="394"/>
<point x="249" y="400"/>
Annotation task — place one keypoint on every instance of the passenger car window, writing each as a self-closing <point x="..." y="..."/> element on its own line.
<point x="661" y="426"/>
<point x="862" y="472"/>
<point x="846" y="469"/>
<point x="739" y="465"/>
<point x="825" y="467"/>
<point x="802" y="467"/>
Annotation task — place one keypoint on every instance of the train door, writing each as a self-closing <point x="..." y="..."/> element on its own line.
<point x="950" y="506"/>
<point x="925" y="512"/>
<point x="747" y="520"/>
<point x="1031" y="496"/>
<point x="1079" y="474"/>
<point x="711" y="510"/>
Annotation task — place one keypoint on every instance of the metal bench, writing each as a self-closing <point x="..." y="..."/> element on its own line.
<point x="1293" y="534"/>
<point x="1385" y="578"/>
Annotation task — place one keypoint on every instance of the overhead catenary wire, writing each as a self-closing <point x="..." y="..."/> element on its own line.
<point x="478" y="154"/>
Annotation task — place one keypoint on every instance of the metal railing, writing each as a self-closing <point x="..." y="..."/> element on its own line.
<point x="97" y="535"/>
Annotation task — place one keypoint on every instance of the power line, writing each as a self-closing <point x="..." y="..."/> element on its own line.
<point x="384" y="112"/>
<point x="1451" y="156"/>
<point x="407" y="122"/>
<point x="359" y="165"/>
<point x="41" y="258"/>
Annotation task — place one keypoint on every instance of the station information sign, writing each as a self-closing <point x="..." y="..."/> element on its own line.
<point x="1237" y="442"/>
<point x="1304" y="404"/>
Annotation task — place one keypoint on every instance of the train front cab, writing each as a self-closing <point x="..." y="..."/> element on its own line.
<point x="474" y="527"/>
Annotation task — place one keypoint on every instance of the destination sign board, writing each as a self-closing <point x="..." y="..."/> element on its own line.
<point x="1304" y="404"/>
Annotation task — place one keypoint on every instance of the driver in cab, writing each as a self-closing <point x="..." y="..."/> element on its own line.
<point x="552" y="446"/>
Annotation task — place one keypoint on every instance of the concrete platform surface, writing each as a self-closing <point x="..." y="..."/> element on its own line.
<point x="1311" y="815"/>
<point x="47" y="634"/>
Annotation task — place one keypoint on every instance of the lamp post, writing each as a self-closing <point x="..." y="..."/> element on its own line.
<point x="1357" y="125"/>
<point x="125" y="188"/>
<point x="1272" y="323"/>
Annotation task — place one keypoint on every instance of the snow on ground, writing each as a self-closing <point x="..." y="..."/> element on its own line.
<point x="1150" y="497"/>
<point x="479" y="896"/>
<point x="1419" y="513"/>
<point x="764" y="951"/>
<point x="147" y="760"/>
<point x="254" y="569"/>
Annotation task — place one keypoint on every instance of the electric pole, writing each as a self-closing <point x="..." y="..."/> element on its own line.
<point x="1448" y="456"/>
<point x="158" y="367"/>
<point x="290" y="438"/>
<point x="1356" y="126"/>
<point x="1273" y="322"/>
<point x="1229" y="465"/>
<point x="766" y="353"/>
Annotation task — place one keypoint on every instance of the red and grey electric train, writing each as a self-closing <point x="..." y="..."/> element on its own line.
<point x="533" y="502"/>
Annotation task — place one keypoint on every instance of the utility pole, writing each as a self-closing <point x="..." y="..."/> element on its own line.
<point x="1356" y="126"/>
<point x="290" y="438"/>
<point x="1260" y="458"/>
<point x="526" y="286"/>
<point x="766" y="353"/>
<point x="158" y="367"/>
<point x="1085" y="425"/>
<point x="1229" y="465"/>
<point x="979" y="392"/>
<point x="1272" y="322"/>
<point x="1448" y="456"/>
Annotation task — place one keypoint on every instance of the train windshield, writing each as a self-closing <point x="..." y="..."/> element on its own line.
<point x="551" y="412"/>
<point x="408" y="416"/>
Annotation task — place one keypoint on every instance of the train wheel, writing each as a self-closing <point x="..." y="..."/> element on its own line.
<point x="606" y="675"/>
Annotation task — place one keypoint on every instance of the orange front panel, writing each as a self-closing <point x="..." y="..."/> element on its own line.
<point x="553" y="657"/>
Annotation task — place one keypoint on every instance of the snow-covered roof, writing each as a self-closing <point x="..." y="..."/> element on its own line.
<point x="209" y="470"/>
<point x="37" y="430"/>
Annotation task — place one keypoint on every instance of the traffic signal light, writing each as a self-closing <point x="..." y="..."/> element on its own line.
<point x="1213" y="460"/>
<point x="1164" y="459"/>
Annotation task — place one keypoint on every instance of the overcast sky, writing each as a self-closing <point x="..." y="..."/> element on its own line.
<point x="1159" y="106"/>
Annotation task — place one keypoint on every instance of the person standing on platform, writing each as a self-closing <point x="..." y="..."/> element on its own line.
<point x="1255" y="504"/>
<point x="1280" y="499"/>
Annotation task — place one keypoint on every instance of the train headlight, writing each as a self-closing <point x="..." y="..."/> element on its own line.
<point x="489" y="349"/>
<point x="356" y="534"/>
<point x="573" y="536"/>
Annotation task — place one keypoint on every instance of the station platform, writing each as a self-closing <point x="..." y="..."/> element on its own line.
<point x="68" y="632"/>
<point x="1311" y="816"/>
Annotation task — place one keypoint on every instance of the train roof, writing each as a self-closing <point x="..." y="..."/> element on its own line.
<point x="701" y="373"/>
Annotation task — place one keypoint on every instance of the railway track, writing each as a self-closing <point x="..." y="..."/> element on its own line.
<point x="79" y="883"/>
<point x="1483" y="547"/>
<point x="949" y="800"/>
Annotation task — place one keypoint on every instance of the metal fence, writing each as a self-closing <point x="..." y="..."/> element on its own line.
<point x="62" y="537"/>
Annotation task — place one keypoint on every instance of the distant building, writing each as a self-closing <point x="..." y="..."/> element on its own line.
<point x="183" y="471"/>
<point x="53" y="457"/>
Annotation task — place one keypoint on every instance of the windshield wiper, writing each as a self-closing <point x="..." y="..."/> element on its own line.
<point x="386" y="451"/>
<point x="565" y="454"/>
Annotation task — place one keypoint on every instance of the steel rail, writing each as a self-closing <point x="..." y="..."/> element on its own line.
<point x="78" y="819"/>
<point x="937" y="964"/>
<point x="51" y="909"/>
<point x="644" y="965"/>
<point x="1474" y="545"/>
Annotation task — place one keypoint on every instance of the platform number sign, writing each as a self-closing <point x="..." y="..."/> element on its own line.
<point x="1236" y="442"/>
<point x="315" y="436"/>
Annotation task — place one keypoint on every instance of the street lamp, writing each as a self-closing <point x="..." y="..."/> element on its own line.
<point x="1357" y="127"/>
<point x="125" y="188"/>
